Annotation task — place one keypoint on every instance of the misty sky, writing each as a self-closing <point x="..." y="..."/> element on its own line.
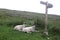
<point x="31" y="5"/>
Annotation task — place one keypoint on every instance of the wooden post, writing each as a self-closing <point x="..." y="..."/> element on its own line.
<point x="48" y="5"/>
<point x="46" y="19"/>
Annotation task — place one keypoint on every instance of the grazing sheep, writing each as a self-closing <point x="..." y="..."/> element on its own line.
<point x="29" y="29"/>
<point x="19" y="27"/>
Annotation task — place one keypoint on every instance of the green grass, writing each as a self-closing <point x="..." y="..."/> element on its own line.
<point x="10" y="18"/>
<point x="7" y="33"/>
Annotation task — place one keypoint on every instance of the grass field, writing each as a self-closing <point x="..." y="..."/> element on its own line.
<point x="8" y="20"/>
<point x="7" y="33"/>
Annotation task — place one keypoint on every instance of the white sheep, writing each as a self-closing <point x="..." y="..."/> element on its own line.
<point x="19" y="27"/>
<point x="29" y="29"/>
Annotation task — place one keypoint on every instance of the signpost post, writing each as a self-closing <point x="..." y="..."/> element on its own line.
<point x="48" y="5"/>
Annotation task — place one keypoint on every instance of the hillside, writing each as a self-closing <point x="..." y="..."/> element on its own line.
<point x="10" y="18"/>
<point x="27" y="14"/>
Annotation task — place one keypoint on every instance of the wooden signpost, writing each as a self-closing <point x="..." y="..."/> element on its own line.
<point x="48" y="5"/>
